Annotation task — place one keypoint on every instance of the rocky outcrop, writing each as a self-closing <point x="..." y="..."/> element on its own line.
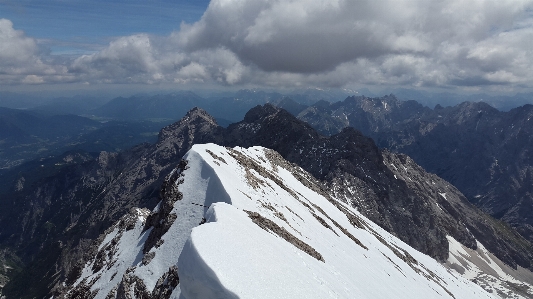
<point x="166" y="283"/>
<point x="480" y="150"/>
<point x="455" y="213"/>
<point x="94" y="195"/>
<point x="76" y="205"/>
<point x="355" y="169"/>
<point x="271" y="226"/>
<point x="162" y="218"/>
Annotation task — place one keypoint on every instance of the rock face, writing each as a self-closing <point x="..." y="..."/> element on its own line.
<point x="352" y="165"/>
<point x="450" y="209"/>
<point x="66" y="212"/>
<point x="271" y="230"/>
<point x="52" y="223"/>
<point x="480" y="150"/>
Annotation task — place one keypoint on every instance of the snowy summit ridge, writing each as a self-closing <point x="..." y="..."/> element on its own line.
<point x="245" y="223"/>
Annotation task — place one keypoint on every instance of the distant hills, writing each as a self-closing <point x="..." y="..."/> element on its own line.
<point x="27" y="134"/>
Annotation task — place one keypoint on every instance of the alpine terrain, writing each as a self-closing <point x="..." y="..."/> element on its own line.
<point x="484" y="152"/>
<point x="120" y="224"/>
<point x="261" y="228"/>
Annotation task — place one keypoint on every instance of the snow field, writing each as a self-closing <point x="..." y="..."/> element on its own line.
<point x="232" y="256"/>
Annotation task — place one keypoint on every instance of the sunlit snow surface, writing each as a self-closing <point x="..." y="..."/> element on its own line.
<point x="231" y="256"/>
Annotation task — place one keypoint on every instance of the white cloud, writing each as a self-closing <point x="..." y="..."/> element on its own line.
<point x="21" y="60"/>
<point x="414" y="42"/>
<point x="312" y="42"/>
<point x="127" y="59"/>
<point x="15" y="47"/>
<point x="148" y="59"/>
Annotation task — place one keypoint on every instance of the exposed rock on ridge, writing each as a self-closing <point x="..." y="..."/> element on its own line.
<point x="348" y="163"/>
<point x="351" y="163"/>
<point x="83" y="200"/>
<point x="480" y="150"/>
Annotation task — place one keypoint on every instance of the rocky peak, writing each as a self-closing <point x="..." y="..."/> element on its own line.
<point x="349" y="164"/>
<point x="259" y="112"/>
<point x="197" y="126"/>
<point x="353" y="166"/>
<point x="196" y="117"/>
<point x="270" y="127"/>
<point x="471" y="112"/>
<point x="198" y="112"/>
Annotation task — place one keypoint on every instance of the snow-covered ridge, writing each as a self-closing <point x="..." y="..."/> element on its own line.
<point x="245" y="223"/>
<point x="234" y="256"/>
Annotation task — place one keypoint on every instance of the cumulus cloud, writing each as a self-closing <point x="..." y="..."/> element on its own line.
<point x="149" y="59"/>
<point x="14" y="46"/>
<point x="313" y="36"/>
<point x="323" y="43"/>
<point x="124" y="59"/>
<point x="21" y="60"/>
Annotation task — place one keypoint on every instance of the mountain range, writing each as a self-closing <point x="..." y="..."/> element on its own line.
<point x="55" y="223"/>
<point x="482" y="151"/>
<point x="246" y="223"/>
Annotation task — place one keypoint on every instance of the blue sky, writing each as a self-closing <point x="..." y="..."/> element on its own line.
<point x="443" y="45"/>
<point x="82" y="26"/>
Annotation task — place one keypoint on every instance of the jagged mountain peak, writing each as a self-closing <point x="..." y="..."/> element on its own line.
<point x="350" y="165"/>
<point x="269" y="230"/>
<point x="260" y="112"/>
<point x="196" y="119"/>
<point x="272" y="127"/>
<point x="197" y="111"/>
<point x="470" y="112"/>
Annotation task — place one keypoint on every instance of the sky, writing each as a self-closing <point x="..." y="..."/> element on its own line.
<point x="452" y="45"/>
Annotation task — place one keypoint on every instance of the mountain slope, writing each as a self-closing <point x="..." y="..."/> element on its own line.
<point x="83" y="201"/>
<point x="480" y="150"/>
<point x="475" y="263"/>
<point x="272" y="232"/>
<point x="352" y="164"/>
<point x="63" y="213"/>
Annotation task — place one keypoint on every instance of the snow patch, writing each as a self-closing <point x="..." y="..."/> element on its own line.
<point x="487" y="270"/>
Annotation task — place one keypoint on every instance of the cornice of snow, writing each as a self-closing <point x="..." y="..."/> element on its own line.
<point x="271" y="230"/>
